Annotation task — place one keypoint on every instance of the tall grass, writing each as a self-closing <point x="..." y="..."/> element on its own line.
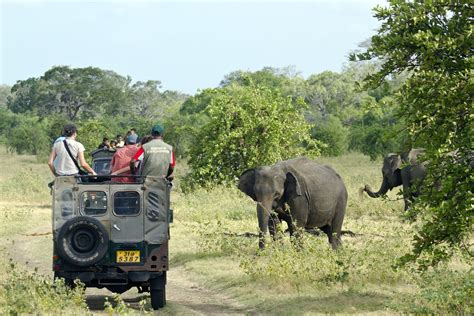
<point x="24" y="292"/>
<point x="23" y="179"/>
<point x="360" y="277"/>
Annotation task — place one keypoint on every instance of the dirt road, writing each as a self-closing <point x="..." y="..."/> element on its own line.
<point x="33" y="249"/>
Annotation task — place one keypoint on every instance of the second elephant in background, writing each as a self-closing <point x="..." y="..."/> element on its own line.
<point x="401" y="169"/>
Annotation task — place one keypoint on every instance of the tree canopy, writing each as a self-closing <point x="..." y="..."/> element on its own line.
<point x="248" y="125"/>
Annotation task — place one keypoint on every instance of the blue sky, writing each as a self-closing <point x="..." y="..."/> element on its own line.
<point x="187" y="45"/>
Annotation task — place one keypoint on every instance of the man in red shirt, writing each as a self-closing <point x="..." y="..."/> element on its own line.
<point x="121" y="159"/>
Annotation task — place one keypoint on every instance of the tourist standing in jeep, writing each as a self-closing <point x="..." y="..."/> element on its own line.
<point x="65" y="155"/>
<point x="156" y="157"/>
<point x="120" y="164"/>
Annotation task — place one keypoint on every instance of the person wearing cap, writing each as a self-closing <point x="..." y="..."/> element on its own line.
<point x="60" y="162"/>
<point x="121" y="159"/>
<point x="156" y="157"/>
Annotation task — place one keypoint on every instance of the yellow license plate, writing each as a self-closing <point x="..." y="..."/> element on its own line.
<point x="128" y="256"/>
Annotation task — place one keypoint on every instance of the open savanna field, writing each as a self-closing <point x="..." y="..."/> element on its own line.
<point x="215" y="267"/>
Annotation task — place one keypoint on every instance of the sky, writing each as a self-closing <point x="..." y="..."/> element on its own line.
<point x="187" y="45"/>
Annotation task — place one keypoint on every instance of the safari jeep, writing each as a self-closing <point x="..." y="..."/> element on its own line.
<point x="111" y="234"/>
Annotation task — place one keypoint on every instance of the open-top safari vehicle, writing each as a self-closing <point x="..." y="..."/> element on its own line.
<point x="112" y="234"/>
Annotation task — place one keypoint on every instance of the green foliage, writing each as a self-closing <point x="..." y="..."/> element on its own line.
<point x="311" y="260"/>
<point x="378" y="132"/>
<point x="23" y="292"/>
<point x="430" y="40"/>
<point x="118" y="307"/>
<point x="4" y="95"/>
<point x="27" y="135"/>
<point x="248" y="126"/>
<point x="443" y="291"/>
<point x="330" y="131"/>
<point x="91" y="132"/>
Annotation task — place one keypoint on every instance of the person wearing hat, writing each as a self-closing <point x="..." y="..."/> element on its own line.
<point x="121" y="159"/>
<point x="60" y="161"/>
<point x="156" y="157"/>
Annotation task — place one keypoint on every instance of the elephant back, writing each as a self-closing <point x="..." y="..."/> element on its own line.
<point x="313" y="176"/>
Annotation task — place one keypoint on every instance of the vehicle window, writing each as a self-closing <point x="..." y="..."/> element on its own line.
<point x="66" y="203"/>
<point x="127" y="203"/>
<point x="102" y="166"/>
<point x="94" y="203"/>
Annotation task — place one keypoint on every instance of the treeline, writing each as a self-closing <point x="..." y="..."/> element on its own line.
<point x="104" y="103"/>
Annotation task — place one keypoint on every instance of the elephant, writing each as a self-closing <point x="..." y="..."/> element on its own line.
<point x="315" y="195"/>
<point x="404" y="169"/>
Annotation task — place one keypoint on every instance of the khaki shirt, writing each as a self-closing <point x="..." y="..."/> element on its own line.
<point x="157" y="158"/>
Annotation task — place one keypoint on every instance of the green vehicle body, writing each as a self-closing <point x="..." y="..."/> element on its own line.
<point x="112" y="235"/>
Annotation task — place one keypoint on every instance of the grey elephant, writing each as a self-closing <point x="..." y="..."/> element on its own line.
<point x="405" y="169"/>
<point x="315" y="195"/>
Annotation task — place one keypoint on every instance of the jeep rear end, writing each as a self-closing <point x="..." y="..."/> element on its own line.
<point x="113" y="235"/>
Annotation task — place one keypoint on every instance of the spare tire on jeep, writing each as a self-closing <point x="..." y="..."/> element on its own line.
<point x="82" y="241"/>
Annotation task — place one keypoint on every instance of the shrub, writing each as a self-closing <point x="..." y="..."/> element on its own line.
<point x="331" y="132"/>
<point x="23" y="292"/>
<point x="248" y="126"/>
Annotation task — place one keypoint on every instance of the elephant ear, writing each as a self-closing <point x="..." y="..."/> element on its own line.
<point x="292" y="186"/>
<point x="395" y="164"/>
<point x="247" y="183"/>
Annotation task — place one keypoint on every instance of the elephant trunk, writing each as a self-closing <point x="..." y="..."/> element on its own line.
<point x="263" y="214"/>
<point x="384" y="187"/>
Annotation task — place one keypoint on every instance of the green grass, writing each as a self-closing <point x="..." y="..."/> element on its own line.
<point x="207" y="242"/>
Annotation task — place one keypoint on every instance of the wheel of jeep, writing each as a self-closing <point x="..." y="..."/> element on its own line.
<point x="82" y="241"/>
<point x="158" y="298"/>
<point x="158" y="291"/>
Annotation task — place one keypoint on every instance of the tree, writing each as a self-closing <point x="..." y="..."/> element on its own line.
<point x="330" y="131"/>
<point x="432" y="41"/>
<point x="4" y="94"/>
<point x="248" y="126"/>
<point x="76" y="93"/>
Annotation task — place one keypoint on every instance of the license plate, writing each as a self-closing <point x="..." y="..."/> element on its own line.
<point x="128" y="256"/>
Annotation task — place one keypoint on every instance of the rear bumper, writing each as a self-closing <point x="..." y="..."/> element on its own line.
<point x="101" y="279"/>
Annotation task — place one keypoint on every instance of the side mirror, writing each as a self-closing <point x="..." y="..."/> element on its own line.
<point x="170" y="216"/>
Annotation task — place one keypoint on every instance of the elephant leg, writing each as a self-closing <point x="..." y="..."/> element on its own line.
<point x="299" y="214"/>
<point x="273" y="222"/>
<point x="336" y="224"/>
<point x="407" y="196"/>
<point x="406" y="182"/>
<point x="327" y="229"/>
<point x="287" y="218"/>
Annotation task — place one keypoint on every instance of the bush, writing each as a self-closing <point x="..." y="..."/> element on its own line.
<point x="331" y="132"/>
<point x="31" y="293"/>
<point x="27" y="135"/>
<point x="248" y="126"/>
<point x="443" y="292"/>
